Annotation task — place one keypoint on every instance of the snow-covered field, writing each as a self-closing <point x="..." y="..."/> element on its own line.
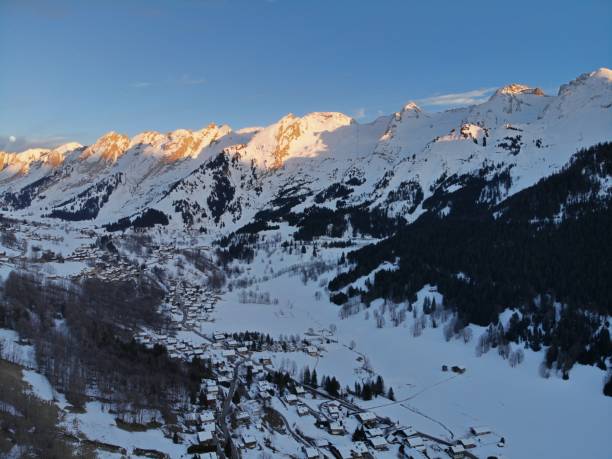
<point x="538" y="417"/>
<point x="98" y="424"/>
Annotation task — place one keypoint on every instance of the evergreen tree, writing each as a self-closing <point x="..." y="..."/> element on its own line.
<point x="306" y="378"/>
<point x="379" y="386"/>
<point x="366" y="394"/>
<point x="607" y="390"/>
<point x="359" y="435"/>
<point x="249" y="375"/>
<point x="314" y="382"/>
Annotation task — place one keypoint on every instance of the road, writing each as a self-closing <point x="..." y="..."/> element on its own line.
<point x="297" y="437"/>
<point x="221" y="419"/>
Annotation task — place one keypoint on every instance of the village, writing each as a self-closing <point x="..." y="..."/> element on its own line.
<point x="248" y="407"/>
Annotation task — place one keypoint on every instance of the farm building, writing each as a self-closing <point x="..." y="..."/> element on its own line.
<point x="367" y="418"/>
<point x="378" y="443"/>
<point x="480" y="430"/>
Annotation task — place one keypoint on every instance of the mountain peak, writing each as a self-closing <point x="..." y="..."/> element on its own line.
<point x="600" y="76"/>
<point x="108" y="147"/>
<point x="603" y="72"/>
<point x="517" y="88"/>
<point x="411" y="107"/>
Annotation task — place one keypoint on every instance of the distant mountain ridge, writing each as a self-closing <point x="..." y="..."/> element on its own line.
<point x="216" y="180"/>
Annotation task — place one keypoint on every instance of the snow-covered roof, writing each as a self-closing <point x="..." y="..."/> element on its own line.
<point x="378" y="442"/>
<point x="480" y="430"/>
<point x="366" y="416"/>
<point x="204" y="436"/>
<point x="374" y="432"/>
<point x="359" y="447"/>
<point x="311" y="453"/>
<point x="207" y="416"/>
<point x="344" y="452"/>
<point x="467" y="442"/>
<point x="248" y="438"/>
<point x="414" y="442"/>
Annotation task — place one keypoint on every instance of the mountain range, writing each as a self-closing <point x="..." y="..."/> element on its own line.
<point x="216" y="180"/>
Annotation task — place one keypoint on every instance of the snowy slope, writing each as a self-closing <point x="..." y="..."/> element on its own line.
<point x="393" y="163"/>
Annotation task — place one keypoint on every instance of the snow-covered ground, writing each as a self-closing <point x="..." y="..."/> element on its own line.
<point x="517" y="403"/>
<point x="98" y="424"/>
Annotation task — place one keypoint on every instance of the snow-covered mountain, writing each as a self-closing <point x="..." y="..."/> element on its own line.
<point x="216" y="180"/>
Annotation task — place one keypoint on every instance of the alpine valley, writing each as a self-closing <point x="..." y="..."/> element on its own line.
<point x="429" y="284"/>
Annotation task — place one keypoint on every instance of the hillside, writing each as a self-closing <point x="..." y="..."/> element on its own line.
<point x="216" y="179"/>
<point x="262" y="291"/>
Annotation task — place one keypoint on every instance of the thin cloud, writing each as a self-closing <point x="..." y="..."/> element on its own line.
<point x="141" y="84"/>
<point x="476" y="96"/>
<point x="12" y="143"/>
<point x="188" y="80"/>
<point x="184" y="80"/>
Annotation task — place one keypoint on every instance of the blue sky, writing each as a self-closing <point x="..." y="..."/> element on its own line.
<point x="72" y="70"/>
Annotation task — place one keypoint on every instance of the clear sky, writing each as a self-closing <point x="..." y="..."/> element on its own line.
<point x="72" y="70"/>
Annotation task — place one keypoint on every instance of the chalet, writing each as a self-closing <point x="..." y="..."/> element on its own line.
<point x="310" y="453"/>
<point x="242" y="417"/>
<point x="333" y="411"/>
<point x="359" y="450"/>
<point x="312" y="351"/>
<point x="302" y="410"/>
<point x="210" y="427"/>
<point x="374" y="432"/>
<point x="205" y="437"/>
<point x="212" y="389"/>
<point x="335" y="428"/>
<point x="321" y="443"/>
<point x="378" y="443"/>
<point x="406" y="432"/>
<point x="299" y="390"/>
<point x="264" y="386"/>
<point x="231" y="343"/>
<point x="291" y="399"/>
<point x="367" y="418"/>
<point x="219" y="336"/>
<point x="480" y="430"/>
<point x="467" y="443"/>
<point x="342" y="452"/>
<point x="249" y="441"/>
<point x="242" y="350"/>
<point x="415" y="442"/>
<point x="257" y="368"/>
<point x="456" y="451"/>
<point x="265" y="361"/>
<point x="191" y="418"/>
<point x="229" y="353"/>
<point x="207" y="417"/>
